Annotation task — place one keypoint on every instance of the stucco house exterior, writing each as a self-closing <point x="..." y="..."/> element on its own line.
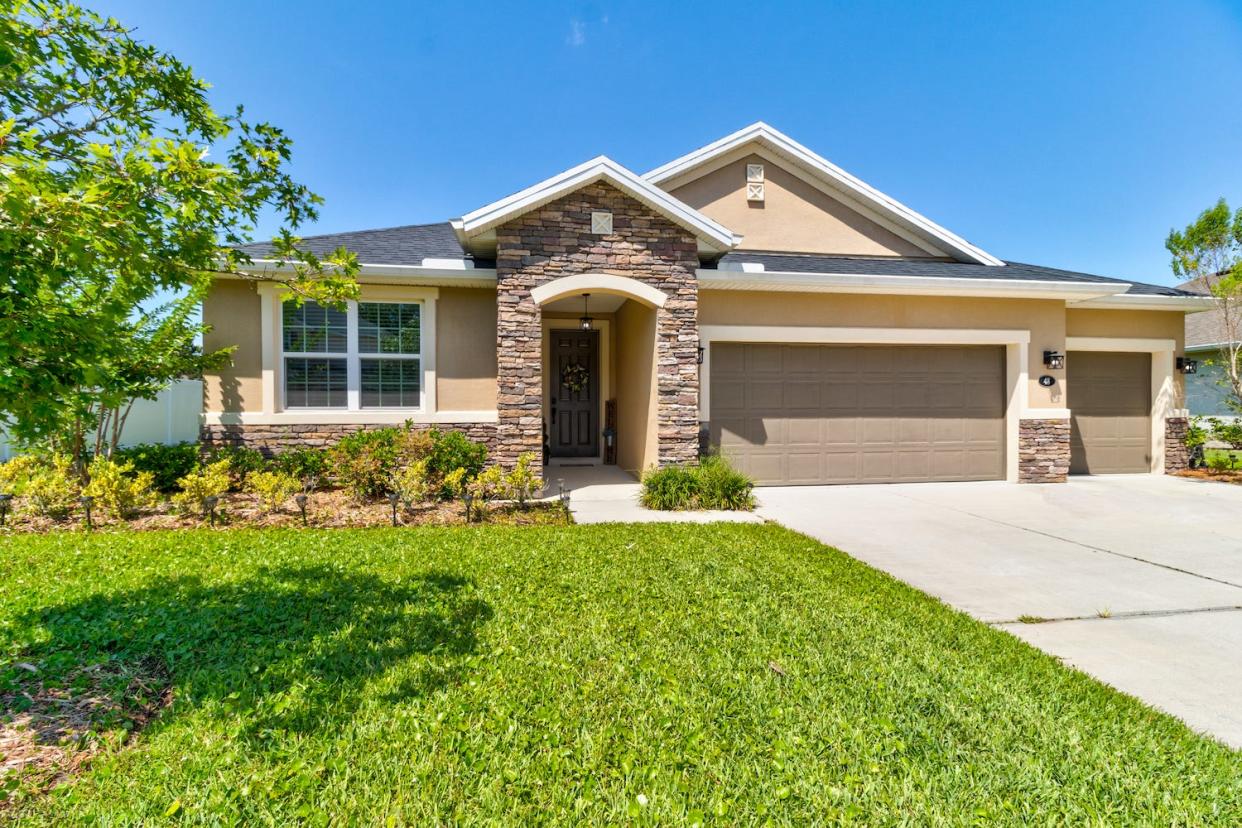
<point x="748" y="295"/>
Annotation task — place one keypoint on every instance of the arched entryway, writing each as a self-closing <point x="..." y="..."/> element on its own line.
<point x="600" y="390"/>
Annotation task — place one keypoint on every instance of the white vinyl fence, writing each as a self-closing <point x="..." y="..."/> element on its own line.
<point x="172" y="417"/>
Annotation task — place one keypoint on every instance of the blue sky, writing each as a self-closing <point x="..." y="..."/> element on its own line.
<point x="1066" y="134"/>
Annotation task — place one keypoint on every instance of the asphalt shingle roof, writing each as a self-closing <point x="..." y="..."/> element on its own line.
<point x="1017" y="271"/>
<point x="407" y="245"/>
<point x="410" y="244"/>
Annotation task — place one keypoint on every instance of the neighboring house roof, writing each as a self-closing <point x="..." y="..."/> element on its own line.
<point x="838" y="180"/>
<point x="1204" y="331"/>
<point x="1013" y="271"/>
<point x="711" y="233"/>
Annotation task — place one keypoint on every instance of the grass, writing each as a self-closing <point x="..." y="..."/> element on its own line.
<point x="721" y="674"/>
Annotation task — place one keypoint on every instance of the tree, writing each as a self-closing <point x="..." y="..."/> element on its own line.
<point x="1209" y="251"/>
<point x="119" y="184"/>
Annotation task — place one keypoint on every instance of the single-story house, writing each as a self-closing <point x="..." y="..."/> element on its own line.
<point x="749" y="295"/>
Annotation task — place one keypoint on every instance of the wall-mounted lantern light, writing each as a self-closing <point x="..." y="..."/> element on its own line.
<point x="1187" y="366"/>
<point x="701" y="354"/>
<point x="1054" y="359"/>
<point x="586" y="322"/>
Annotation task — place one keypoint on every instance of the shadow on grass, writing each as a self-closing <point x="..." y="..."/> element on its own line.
<point x="289" y="649"/>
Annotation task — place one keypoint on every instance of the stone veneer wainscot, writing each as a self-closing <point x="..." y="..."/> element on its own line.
<point x="273" y="439"/>
<point x="1043" y="451"/>
<point x="556" y="240"/>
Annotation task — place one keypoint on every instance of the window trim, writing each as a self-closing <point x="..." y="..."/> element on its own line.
<point x="273" y="355"/>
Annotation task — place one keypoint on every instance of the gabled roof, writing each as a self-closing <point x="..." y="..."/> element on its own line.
<point x="833" y="177"/>
<point x="712" y="234"/>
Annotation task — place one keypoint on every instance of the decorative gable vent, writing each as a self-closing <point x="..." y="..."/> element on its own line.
<point x="601" y="223"/>
<point x="754" y="182"/>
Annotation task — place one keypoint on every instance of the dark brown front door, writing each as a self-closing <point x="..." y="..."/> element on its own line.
<point x="573" y="395"/>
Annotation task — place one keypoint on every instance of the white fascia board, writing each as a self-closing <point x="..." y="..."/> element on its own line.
<point x="1206" y="347"/>
<point x="902" y="285"/>
<point x="1138" y="301"/>
<point x="831" y="174"/>
<point x="398" y="274"/>
<point x="597" y="169"/>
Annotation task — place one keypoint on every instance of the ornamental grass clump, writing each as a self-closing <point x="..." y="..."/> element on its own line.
<point x="712" y="484"/>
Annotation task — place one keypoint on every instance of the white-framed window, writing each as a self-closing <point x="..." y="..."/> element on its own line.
<point x="368" y="356"/>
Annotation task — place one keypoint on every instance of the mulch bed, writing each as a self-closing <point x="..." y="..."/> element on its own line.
<point x="1220" y="476"/>
<point x="49" y="735"/>
<point x="324" y="509"/>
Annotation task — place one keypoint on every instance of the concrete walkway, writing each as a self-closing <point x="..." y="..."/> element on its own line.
<point x="1137" y="578"/>
<point x="606" y="494"/>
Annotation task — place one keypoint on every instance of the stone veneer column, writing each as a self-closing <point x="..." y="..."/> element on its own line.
<point x="1043" y="451"/>
<point x="556" y="240"/>
<point x="1176" y="455"/>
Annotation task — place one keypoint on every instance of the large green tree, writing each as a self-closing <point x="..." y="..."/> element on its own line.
<point x="119" y="185"/>
<point x="1209" y="251"/>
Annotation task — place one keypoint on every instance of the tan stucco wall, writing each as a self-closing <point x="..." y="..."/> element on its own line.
<point x="231" y="308"/>
<point x="637" y="435"/>
<point x="794" y="215"/>
<point x="1133" y="324"/>
<point x="1045" y="319"/>
<point x="466" y="349"/>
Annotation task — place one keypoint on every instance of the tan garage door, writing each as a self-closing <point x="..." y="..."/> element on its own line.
<point x="805" y="414"/>
<point x="1109" y="396"/>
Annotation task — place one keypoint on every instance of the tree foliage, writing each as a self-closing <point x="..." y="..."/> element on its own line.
<point x="1209" y="252"/>
<point x="119" y="184"/>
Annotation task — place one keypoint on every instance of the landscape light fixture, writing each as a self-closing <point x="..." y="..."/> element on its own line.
<point x="1187" y="366"/>
<point x="209" y="508"/>
<point x="586" y="323"/>
<point x="300" y="499"/>
<point x="6" y="501"/>
<point x="393" y="497"/>
<point x="1054" y="359"/>
<point x="468" y="498"/>
<point x="86" y="501"/>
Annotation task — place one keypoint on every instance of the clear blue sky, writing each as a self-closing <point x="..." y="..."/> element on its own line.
<point x="1068" y="134"/>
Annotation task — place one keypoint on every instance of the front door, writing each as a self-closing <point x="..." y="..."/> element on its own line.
<point x="573" y="394"/>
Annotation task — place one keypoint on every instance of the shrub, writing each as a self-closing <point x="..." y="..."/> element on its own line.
<point x="713" y="484"/>
<point x="52" y="488"/>
<point x="723" y="487"/>
<point x="117" y="489"/>
<point x="453" y="485"/>
<point x="486" y="486"/>
<point x="452" y="450"/>
<point x="167" y="464"/>
<point x="365" y="461"/>
<point x="242" y="462"/>
<point x="1197" y="433"/>
<point x="1229" y="432"/>
<point x="523" y="481"/>
<point x="412" y="484"/>
<point x="309" y="466"/>
<point x="211" y="480"/>
<point x="272" y="488"/>
<point x="16" y="473"/>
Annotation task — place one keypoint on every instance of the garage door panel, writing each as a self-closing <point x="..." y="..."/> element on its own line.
<point x="1109" y="396"/>
<point x="852" y="414"/>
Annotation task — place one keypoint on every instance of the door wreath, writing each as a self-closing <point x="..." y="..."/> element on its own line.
<point x="575" y="377"/>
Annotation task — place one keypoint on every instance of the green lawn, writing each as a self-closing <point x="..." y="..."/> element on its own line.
<point x="574" y="675"/>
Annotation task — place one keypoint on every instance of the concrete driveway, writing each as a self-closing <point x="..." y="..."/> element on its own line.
<point x="1139" y="577"/>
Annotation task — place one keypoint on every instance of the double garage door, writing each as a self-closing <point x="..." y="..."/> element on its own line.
<point x="808" y="414"/>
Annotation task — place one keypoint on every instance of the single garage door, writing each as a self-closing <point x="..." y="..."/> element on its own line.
<point x="1109" y="397"/>
<point x="807" y="414"/>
